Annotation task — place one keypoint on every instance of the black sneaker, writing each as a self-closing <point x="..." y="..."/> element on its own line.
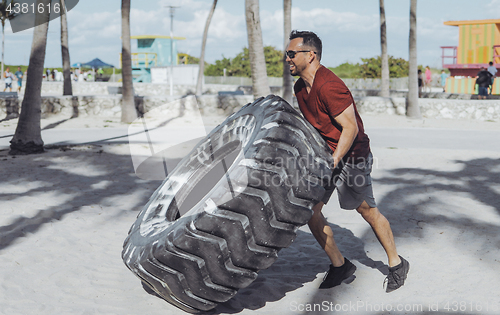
<point x="336" y="275"/>
<point x="397" y="275"/>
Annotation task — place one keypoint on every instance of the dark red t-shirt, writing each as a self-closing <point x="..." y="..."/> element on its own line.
<point x="328" y="98"/>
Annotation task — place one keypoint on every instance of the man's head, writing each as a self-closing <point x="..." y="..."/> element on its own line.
<point x="19" y="68"/>
<point x="304" y="49"/>
<point x="309" y="40"/>
<point x="491" y="63"/>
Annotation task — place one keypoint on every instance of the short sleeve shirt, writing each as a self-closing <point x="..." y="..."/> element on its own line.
<point x="8" y="77"/>
<point x="492" y="70"/>
<point x="327" y="99"/>
<point x="483" y="78"/>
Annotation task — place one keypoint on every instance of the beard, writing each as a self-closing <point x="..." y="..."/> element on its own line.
<point x="296" y="70"/>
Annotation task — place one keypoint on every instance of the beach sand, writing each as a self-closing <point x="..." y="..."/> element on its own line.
<point x="65" y="213"/>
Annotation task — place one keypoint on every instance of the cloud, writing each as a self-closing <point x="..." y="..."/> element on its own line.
<point x="494" y="7"/>
<point x="327" y="19"/>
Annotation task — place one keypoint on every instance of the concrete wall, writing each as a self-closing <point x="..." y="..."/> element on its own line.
<point x="213" y="85"/>
<point x="94" y="98"/>
<point x="109" y="105"/>
<point x="52" y="88"/>
<point x="432" y="107"/>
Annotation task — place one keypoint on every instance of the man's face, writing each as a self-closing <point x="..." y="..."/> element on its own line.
<point x="299" y="62"/>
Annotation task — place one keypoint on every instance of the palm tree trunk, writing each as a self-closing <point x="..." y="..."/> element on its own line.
<point x="287" y="28"/>
<point x="412" y="108"/>
<point x="28" y="136"/>
<point x="128" y="105"/>
<point x="3" y="43"/>
<point x="67" y="89"/>
<point x="385" y="60"/>
<point x="199" y="83"/>
<point x="256" y="49"/>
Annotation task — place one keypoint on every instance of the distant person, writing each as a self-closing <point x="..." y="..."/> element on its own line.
<point x="428" y="78"/>
<point x="19" y="75"/>
<point x="48" y="73"/>
<point x="493" y="71"/>
<point x="53" y="74"/>
<point x="100" y="72"/>
<point x="483" y="81"/>
<point x="8" y="79"/>
<point x="59" y="76"/>
<point x="444" y="75"/>
<point x="420" y="83"/>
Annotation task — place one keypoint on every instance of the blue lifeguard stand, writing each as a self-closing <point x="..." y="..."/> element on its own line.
<point x="152" y="51"/>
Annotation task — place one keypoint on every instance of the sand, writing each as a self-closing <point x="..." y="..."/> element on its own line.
<point x="64" y="216"/>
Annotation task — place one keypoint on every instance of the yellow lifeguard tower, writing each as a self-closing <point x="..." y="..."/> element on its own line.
<point x="478" y="44"/>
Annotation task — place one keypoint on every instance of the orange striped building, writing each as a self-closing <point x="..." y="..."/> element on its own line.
<point x="478" y="44"/>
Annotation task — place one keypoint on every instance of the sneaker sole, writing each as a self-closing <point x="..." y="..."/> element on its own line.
<point x="350" y="273"/>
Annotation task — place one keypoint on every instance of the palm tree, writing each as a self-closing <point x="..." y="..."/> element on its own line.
<point x="412" y="108"/>
<point x="256" y="49"/>
<point x="287" y="27"/>
<point x="385" y="60"/>
<point x="28" y="136"/>
<point x="199" y="83"/>
<point x="128" y="105"/>
<point x="67" y="89"/>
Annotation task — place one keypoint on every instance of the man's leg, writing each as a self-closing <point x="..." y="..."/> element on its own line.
<point x="398" y="266"/>
<point x="382" y="229"/>
<point x="324" y="235"/>
<point x="341" y="268"/>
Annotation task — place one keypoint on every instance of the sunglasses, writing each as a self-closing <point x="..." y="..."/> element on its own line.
<point x="291" y="53"/>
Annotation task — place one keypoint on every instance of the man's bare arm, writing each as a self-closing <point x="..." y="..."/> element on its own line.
<point x="347" y="119"/>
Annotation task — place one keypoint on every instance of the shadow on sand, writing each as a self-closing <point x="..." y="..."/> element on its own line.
<point x="56" y="180"/>
<point x="423" y="199"/>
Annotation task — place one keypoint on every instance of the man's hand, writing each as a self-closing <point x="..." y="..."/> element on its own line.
<point x="347" y="119"/>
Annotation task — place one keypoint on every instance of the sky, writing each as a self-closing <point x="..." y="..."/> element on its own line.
<point x="349" y="29"/>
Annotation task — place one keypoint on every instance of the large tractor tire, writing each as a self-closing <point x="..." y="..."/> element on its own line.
<point x="229" y="206"/>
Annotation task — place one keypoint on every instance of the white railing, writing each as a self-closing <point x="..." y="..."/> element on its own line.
<point x="361" y="84"/>
<point x="240" y="80"/>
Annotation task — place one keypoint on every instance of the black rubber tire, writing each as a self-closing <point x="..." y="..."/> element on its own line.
<point x="237" y="228"/>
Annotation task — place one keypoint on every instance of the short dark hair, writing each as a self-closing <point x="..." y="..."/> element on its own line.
<point x="491" y="63"/>
<point x="309" y="39"/>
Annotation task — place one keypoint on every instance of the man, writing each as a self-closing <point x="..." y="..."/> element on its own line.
<point x="493" y="71"/>
<point x="328" y="105"/>
<point x="8" y="79"/>
<point x="483" y="81"/>
<point x="444" y="76"/>
<point x="19" y="75"/>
